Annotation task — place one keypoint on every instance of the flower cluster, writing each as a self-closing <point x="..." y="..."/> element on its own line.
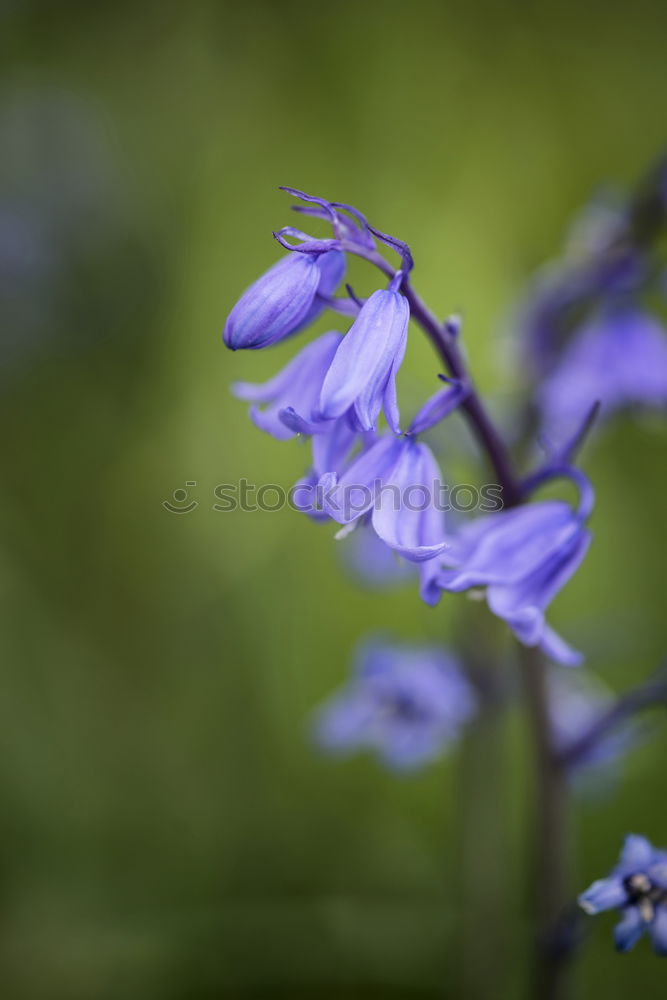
<point x="588" y="321"/>
<point x="637" y="886"/>
<point x="595" y="345"/>
<point x="335" y="389"/>
<point x="407" y="703"/>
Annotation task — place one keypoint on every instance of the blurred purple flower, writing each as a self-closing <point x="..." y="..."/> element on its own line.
<point x="522" y="557"/>
<point x="577" y="700"/>
<point x="295" y="389"/>
<point x="286" y="298"/>
<point x="407" y="703"/>
<point x="618" y="358"/>
<point x="638" y="887"/>
<point x="373" y="563"/>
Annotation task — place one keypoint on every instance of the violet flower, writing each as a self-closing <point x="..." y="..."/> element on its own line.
<point x="406" y="703"/>
<point x="637" y="886"/>
<point x="618" y="358"/>
<point x="362" y="375"/>
<point x="290" y="295"/>
<point x="396" y="482"/>
<point x="295" y="388"/>
<point x="523" y="557"/>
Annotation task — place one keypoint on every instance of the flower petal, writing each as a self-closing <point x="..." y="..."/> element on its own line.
<point x="605" y="894"/>
<point x="401" y="513"/>
<point x="628" y="932"/>
<point x="658" y="930"/>
<point x="370" y="351"/>
<point x="636" y="855"/>
<point x="356" y="489"/>
<point x="507" y="546"/>
<point x="275" y="305"/>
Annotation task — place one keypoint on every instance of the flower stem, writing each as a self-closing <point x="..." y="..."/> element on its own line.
<point x="551" y="838"/>
<point x="483" y="880"/>
<point x="481" y="424"/>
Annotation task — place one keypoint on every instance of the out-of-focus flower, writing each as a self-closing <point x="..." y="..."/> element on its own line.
<point x="371" y="562"/>
<point x="577" y="700"/>
<point x="407" y="703"/>
<point x="523" y="557"/>
<point x="618" y="358"/>
<point x="398" y="484"/>
<point x="637" y="886"/>
<point x="362" y="375"/>
<point x="286" y="298"/>
<point x="295" y="388"/>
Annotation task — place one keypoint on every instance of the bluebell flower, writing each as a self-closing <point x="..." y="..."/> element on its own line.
<point x="396" y="482"/>
<point x="362" y="375"/>
<point x="332" y="453"/>
<point x="290" y="295"/>
<point x="407" y="703"/>
<point x="618" y="358"/>
<point x="637" y="886"/>
<point x="295" y="388"/>
<point x="522" y="557"/>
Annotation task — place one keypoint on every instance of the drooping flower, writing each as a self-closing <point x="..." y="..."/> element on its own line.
<point x="286" y="298"/>
<point x="362" y="375"/>
<point x="295" y="388"/>
<point x="396" y="482"/>
<point x="637" y="886"/>
<point x="523" y="557"/>
<point x="619" y="358"/>
<point x="332" y="453"/>
<point x="406" y="703"/>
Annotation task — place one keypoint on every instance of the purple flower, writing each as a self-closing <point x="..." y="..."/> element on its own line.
<point x="286" y="298"/>
<point x="619" y="358"/>
<point x="398" y="484"/>
<point x="363" y="372"/>
<point x="522" y="557"/>
<point x="294" y="389"/>
<point x="331" y="454"/>
<point x="407" y="703"/>
<point x="637" y="887"/>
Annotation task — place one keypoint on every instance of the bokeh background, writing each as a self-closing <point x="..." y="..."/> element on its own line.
<point x="166" y="830"/>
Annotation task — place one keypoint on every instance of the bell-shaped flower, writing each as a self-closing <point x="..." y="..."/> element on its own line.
<point x="362" y="375"/>
<point x="619" y="358"/>
<point x="396" y="485"/>
<point x="522" y="557"/>
<point x="286" y="298"/>
<point x="406" y="703"/>
<point x="295" y="388"/>
<point x="637" y="886"/>
<point x="331" y="456"/>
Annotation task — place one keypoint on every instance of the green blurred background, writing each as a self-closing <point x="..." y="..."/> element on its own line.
<point x="165" y="829"/>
